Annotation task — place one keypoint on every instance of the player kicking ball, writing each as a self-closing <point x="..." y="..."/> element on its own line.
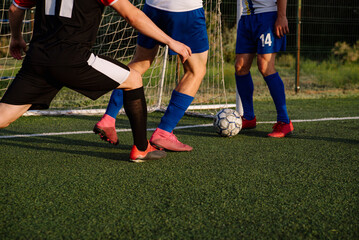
<point x="183" y="20"/>
<point x="59" y="55"/>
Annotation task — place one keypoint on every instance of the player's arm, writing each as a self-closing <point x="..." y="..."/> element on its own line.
<point x="137" y="19"/>
<point x="16" y="16"/>
<point x="281" y="25"/>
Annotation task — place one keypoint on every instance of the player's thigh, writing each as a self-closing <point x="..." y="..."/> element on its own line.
<point x="196" y="64"/>
<point x="94" y="78"/>
<point x="266" y="63"/>
<point x="143" y="58"/>
<point x="194" y="71"/>
<point x="189" y="28"/>
<point x="33" y="85"/>
<point x="267" y="41"/>
<point x="9" y="113"/>
<point x="243" y="63"/>
<point x="105" y="74"/>
<point x="245" y="42"/>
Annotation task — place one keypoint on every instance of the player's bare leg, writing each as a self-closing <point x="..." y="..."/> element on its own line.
<point x="106" y="126"/>
<point x="143" y="59"/>
<point x="266" y="65"/>
<point x="9" y="113"/>
<point x="182" y="96"/>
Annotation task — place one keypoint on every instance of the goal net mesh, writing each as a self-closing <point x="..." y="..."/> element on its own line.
<point x="117" y="39"/>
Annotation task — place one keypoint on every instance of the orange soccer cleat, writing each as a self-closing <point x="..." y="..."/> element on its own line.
<point x="151" y="153"/>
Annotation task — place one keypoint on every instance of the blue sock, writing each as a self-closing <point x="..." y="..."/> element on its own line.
<point x="115" y="104"/>
<point x="276" y="89"/>
<point x="245" y="90"/>
<point x="176" y="108"/>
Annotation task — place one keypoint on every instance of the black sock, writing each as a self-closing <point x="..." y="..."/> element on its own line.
<point x="135" y="106"/>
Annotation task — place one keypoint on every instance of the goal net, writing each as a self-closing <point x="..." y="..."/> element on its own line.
<point x="117" y="39"/>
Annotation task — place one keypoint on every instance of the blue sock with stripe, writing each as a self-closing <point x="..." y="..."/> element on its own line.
<point x="176" y="108"/>
<point x="245" y="90"/>
<point x="115" y="104"/>
<point x="276" y="89"/>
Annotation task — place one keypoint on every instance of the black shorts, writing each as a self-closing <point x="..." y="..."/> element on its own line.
<point x="38" y="85"/>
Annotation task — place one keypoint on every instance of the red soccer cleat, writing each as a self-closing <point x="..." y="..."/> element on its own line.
<point x="106" y="129"/>
<point x="281" y="129"/>
<point x="169" y="141"/>
<point x="249" y="124"/>
<point x="151" y="153"/>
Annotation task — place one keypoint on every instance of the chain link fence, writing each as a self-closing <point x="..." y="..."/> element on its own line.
<point x="321" y="31"/>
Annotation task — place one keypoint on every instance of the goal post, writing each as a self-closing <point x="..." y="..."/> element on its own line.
<point x="117" y="39"/>
<point x="239" y="106"/>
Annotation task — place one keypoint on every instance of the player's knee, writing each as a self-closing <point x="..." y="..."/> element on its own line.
<point x="133" y="81"/>
<point x="196" y="74"/>
<point x="265" y="70"/>
<point x="137" y="83"/>
<point x="240" y="69"/>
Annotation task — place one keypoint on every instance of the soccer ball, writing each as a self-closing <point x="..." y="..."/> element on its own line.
<point x="227" y="123"/>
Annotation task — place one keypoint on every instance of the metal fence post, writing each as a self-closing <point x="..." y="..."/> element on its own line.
<point x="297" y="70"/>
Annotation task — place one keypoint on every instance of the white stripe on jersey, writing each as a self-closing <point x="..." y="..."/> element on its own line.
<point x="175" y="5"/>
<point x="111" y="70"/>
<point x="50" y="7"/>
<point x="258" y="6"/>
<point x="66" y="8"/>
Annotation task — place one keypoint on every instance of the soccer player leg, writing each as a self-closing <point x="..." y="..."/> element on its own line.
<point x="143" y="58"/>
<point x="182" y="97"/>
<point x="276" y="88"/>
<point x="106" y="126"/>
<point x="30" y="89"/>
<point x="245" y="88"/>
<point x="9" y="113"/>
<point x="136" y="109"/>
<point x="275" y="84"/>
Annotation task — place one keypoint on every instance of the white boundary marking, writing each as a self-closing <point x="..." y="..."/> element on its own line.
<point x="180" y="127"/>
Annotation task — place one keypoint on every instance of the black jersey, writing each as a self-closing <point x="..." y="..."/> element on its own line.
<point x="64" y="30"/>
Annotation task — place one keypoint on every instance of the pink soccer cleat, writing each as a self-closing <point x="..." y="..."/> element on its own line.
<point x="106" y="129"/>
<point x="169" y="141"/>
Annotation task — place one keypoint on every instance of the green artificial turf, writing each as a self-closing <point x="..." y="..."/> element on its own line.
<point x="247" y="187"/>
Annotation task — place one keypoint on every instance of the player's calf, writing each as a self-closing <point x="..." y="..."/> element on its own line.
<point x="9" y="113"/>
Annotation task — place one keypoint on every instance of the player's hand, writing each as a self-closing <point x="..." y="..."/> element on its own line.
<point x="183" y="50"/>
<point x="17" y="47"/>
<point x="281" y="26"/>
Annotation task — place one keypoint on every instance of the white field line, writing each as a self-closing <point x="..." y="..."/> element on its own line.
<point x="180" y="127"/>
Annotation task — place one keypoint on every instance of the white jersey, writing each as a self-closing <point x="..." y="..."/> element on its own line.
<point x="258" y="6"/>
<point x="175" y="5"/>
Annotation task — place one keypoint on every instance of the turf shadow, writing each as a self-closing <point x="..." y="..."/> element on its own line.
<point x="70" y="147"/>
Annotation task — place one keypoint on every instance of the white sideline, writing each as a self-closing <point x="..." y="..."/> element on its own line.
<point x="180" y="127"/>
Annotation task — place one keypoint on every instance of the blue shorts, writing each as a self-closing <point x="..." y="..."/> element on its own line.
<point x="255" y="34"/>
<point x="186" y="27"/>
